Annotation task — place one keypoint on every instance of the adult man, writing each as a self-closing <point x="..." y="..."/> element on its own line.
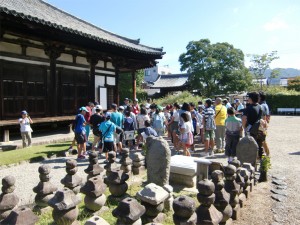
<point x="135" y="106"/>
<point x="220" y="117"/>
<point x="250" y="118"/>
<point x="126" y="104"/>
<point x="80" y="131"/>
<point x="265" y="116"/>
<point x="226" y="103"/>
<point x="107" y="129"/>
<point x="209" y="127"/>
<point x="118" y="119"/>
<point x="96" y="120"/>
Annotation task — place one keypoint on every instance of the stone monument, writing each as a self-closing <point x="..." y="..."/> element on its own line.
<point x="96" y="220"/>
<point x="153" y="197"/>
<point x="94" y="190"/>
<point x="206" y="212"/>
<point x="126" y="162"/>
<point x="72" y="180"/>
<point x="111" y="165"/>
<point x="233" y="189"/>
<point x="138" y="164"/>
<point x="65" y="210"/>
<point x="20" y="216"/>
<point x="158" y="158"/>
<point x="94" y="169"/>
<point x="8" y="199"/>
<point x="222" y="197"/>
<point x="116" y="181"/>
<point x="184" y="211"/>
<point x="246" y="150"/>
<point x="129" y="212"/>
<point x="44" y="190"/>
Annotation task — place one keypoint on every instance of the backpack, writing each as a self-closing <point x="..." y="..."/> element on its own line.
<point x="128" y="124"/>
<point x="210" y="123"/>
<point x="158" y="122"/>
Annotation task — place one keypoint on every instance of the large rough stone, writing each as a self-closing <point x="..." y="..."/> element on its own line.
<point x="184" y="206"/>
<point x="152" y="194"/>
<point x="158" y="160"/>
<point x="94" y="187"/>
<point x="96" y="220"/>
<point x="20" y="216"/>
<point x="246" y="150"/>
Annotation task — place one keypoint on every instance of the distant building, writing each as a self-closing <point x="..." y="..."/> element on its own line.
<point x="151" y="74"/>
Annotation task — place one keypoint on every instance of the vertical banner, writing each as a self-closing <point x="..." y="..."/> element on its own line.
<point x="103" y="97"/>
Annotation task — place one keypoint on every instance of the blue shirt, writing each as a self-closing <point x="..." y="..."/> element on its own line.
<point x="117" y="118"/>
<point x="107" y="129"/>
<point x="79" y="128"/>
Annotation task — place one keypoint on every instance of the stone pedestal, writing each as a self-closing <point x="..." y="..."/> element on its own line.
<point x="94" y="169"/>
<point x="202" y="168"/>
<point x="206" y="212"/>
<point x="72" y="180"/>
<point x="169" y="201"/>
<point x="8" y="200"/>
<point x="116" y="182"/>
<point x="233" y="189"/>
<point x="126" y="162"/>
<point x="153" y="197"/>
<point x="184" y="211"/>
<point x="129" y="212"/>
<point x="96" y="220"/>
<point x="20" y="216"/>
<point x="251" y="170"/>
<point x="138" y="164"/>
<point x="65" y="210"/>
<point x="158" y="159"/>
<point x="44" y="190"/>
<point x="222" y="197"/>
<point x="94" y="190"/>
<point x="111" y="165"/>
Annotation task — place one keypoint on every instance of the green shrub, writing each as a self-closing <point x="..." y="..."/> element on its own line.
<point x="282" y="100"/>
<point x="179" y="98"/>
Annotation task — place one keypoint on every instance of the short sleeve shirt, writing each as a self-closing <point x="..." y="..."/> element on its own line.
<point x="252" y="113"/>
<point x="107" y="129"/>
<point x="79" y="128"/>
<point x="24" y="127"/>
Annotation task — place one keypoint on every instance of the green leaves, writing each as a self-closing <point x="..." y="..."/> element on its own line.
<point x="213" y="66"/>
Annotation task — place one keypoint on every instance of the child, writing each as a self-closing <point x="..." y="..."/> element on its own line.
<point x="25" y="128"/>
<point x="233" y="128"/>
<point x="129" y="126"/>
<point x="186" y="134"/>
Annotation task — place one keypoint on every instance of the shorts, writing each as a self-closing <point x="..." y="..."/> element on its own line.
<point x="209" y="135"/>
<point x="80" y="138"/>
<point x="141" y="130"/>
<point x="108" y="146"/>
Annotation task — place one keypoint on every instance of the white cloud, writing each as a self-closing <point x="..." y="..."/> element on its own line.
<point x="275" y="24"/>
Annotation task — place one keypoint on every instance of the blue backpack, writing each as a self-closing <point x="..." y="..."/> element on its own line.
<point x="158" y="122"/>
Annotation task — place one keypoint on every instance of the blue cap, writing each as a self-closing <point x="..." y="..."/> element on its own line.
<point x="83" y="109"/>
<point x="24" y="112"/>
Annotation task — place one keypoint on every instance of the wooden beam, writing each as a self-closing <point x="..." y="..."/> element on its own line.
<point x="133" y="74"/>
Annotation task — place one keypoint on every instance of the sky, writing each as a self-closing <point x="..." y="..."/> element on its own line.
<point x="254" y="26"/>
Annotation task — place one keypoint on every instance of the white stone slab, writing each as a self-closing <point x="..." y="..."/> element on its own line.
<point x="184" y="165"/>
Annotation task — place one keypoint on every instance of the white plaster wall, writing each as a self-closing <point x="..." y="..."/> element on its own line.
<point x="65" y="58"/>
<point x="109" y="65"/>
<point x="12" y="48"/>
<point x="111" y="81"/>
<point x="81" y="60"/>
<point x="36" y="53"/>
<point x="100" y="64"/>
<point x="99" y="81"/>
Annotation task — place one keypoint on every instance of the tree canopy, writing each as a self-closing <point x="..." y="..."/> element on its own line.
<point x="215" y="68"/>
<point x="294" y="84"/>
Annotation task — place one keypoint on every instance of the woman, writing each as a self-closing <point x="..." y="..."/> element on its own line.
<point x="186" y="134"/>
<point x="141" y="118"/>
<point x="174" y="124"/>
<point x="158" y="121"/>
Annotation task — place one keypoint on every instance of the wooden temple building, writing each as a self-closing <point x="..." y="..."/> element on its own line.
<point x="52" y="63"/>
<point x="171" y="83"/>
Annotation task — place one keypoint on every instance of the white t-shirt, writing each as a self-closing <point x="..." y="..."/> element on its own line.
<point x="176" y="116"/>
<point x="24" y="125"/>
<point x="141" y="120"/>
<point x="187" y="126"/>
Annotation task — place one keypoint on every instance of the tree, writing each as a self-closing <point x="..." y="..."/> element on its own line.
<point x="260" y="63"/>
<point x="294" y="84"/>
<point x="213" y="67"/>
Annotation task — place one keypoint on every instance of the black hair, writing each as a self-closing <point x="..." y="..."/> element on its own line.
<point x="176" y="105"/>
<point x="127" y="113"/>
<point x="185" y="106"/>
<point x="114" y="106"/>
<point x="192" y="104"/>
<point x="185" y="117"/>
<point x="143" y="111"/>
<point x="230" y="111"/>
<point x="200" y="103"/>
<point x="147" y="123"/>
<point x="153" y="106"/>
<point x="254" y="96"/>
<point x="98" y="110"/>
<point x="262" y="96"/>
<point x="208" y="102"/>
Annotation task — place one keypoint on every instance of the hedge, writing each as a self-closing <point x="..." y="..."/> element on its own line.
<point x="282" y="101"/>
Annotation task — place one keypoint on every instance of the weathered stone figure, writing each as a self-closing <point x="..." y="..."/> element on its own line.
<point x="20" y="216"/>
<point x="72" y="180"/>
<point x="94" y="169"/>
<point x="116" y="181"/>
<point x="129" y="212"/>
<point x="246" y="150"/>
<point x="126" y="162"/>
<point x="111" y="165"/>
<point x="138" y="164"/>
<point x="8" y="200"/>
<point x="222" y="197"/>
<point x="206" y="212"/>
<point x="184" y="211"/>
<point x="158" y="159"/>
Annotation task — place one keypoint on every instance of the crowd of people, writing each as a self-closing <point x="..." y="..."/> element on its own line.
<point x="218" y="124"/>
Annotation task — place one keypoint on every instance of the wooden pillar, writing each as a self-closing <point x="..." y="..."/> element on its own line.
<point x="93" y="62"/>
<point x="53" y="52"/>
<point x="117" y="94"/>
<point x="133" y="74"/>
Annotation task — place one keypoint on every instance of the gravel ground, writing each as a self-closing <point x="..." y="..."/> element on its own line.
<point x="283" y="137"/>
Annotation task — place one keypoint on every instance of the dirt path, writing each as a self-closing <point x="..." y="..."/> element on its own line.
<point x="283" y="138"/>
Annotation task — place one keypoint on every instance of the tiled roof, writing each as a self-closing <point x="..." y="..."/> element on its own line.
<point x="46" y="14"/>
<point x="171" y="80"/>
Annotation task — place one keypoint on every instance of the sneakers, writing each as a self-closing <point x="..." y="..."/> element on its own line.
<point x="81" y="157"/>
<point x="205" y="154"/>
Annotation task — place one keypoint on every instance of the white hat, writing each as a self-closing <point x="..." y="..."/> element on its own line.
<point x="98" y="107"/>
<point x="136" y="100"/>
<point x="121" y="107"/>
